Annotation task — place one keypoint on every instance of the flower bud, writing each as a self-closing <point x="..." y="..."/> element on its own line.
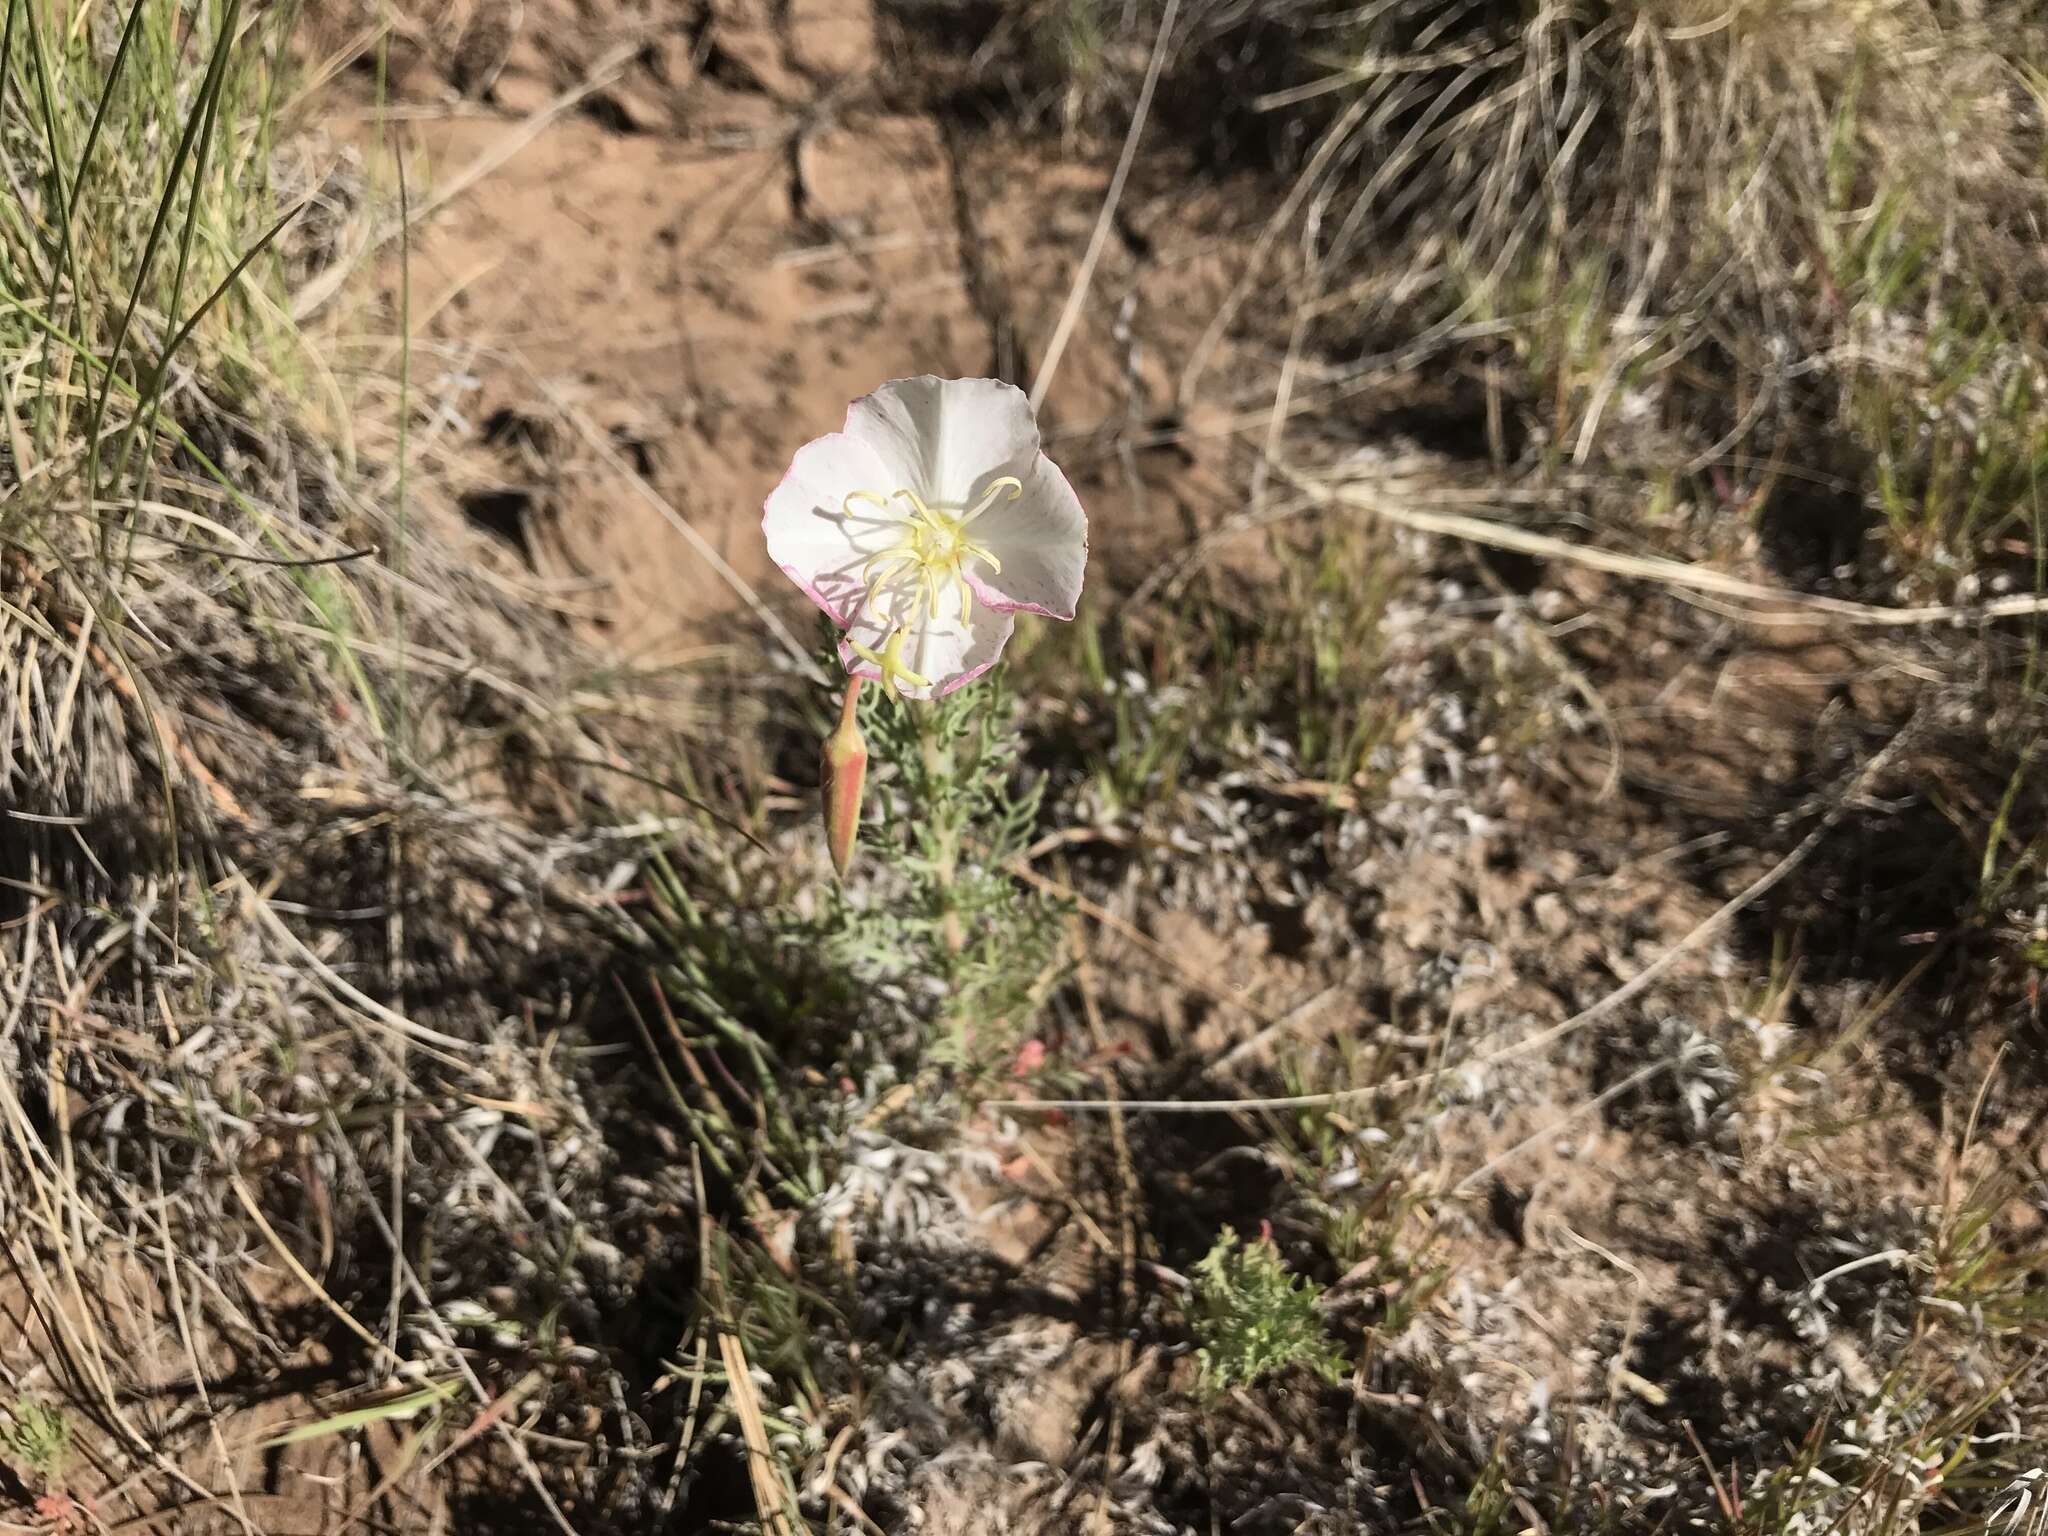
<point x="845" y="777"/>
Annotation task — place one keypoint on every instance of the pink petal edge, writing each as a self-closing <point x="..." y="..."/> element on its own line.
<point x="966" y="677"/>
<point x="997" y="603"/>
<point x="857" y="667"/>
<point x="993" y="599"/>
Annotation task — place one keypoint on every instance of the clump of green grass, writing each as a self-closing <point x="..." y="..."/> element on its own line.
<point x="1070" y="35"/>
<point x="1383" y="1225"/>
<point x="1490" y="1506"/>
<point x="1778" y="234"/>
<point x="138" y="148"/>
<point x="1252" y="1317"/>
<point x="1283" y="684"/>
<point x="152" y="342"/>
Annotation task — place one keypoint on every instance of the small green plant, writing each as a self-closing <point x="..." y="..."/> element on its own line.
<point x="1489" y="1509"/>
<point x="952" y="813"/>
<point x="1253" y="1316"/>
<point x="37" y="1437"/>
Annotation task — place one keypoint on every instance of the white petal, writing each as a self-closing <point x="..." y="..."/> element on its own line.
<point x="1041" y="542"/>
<point x="810" y="534"/>
<point x="946" y="438"/>
<point x="947" y="653"/>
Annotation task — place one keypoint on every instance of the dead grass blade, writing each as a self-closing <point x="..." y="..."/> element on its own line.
<point x="1774" y="605"/>
<point x="1077" y="295"/>
<point x="771" y="1499"/>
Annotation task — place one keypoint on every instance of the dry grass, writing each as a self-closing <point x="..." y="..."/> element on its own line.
<point x="298" y="822"/>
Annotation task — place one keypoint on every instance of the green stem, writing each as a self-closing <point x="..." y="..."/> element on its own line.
<point x="947" y="829"/>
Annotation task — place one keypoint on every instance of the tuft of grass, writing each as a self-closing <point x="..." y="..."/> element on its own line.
<point x="1755" y="241"/>
<point x="1282" y="687"/>
<point x="1383" y="1227"/>
<point x="137" y="147"/>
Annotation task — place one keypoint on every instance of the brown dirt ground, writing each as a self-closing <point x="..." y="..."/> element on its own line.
<point x="200" y="1413"/>
<point x="691" y="269"/>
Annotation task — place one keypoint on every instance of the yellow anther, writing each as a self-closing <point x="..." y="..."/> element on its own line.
<point x="890" y="660"/>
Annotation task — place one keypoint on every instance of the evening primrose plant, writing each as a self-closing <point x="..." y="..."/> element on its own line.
<point x="921" y="529"/>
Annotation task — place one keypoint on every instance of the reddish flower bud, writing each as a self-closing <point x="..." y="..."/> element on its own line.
<point x="845" y="777"/>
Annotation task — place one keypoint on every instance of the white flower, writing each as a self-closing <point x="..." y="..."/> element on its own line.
<point x="925" y="526"/>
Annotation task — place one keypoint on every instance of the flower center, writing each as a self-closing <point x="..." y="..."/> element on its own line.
<point x="930" y="556"/>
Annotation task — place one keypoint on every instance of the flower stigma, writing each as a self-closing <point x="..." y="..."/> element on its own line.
<point x="890" y="659"/>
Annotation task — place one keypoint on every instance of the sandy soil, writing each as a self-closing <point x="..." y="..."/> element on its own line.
<point x="731" y="221"/>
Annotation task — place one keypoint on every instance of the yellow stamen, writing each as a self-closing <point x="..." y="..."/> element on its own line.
<point x="879" y="503"/>
<point x="932" y="550"/>
<point x="884" y="566"/>
<point x="996" y="488"/>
